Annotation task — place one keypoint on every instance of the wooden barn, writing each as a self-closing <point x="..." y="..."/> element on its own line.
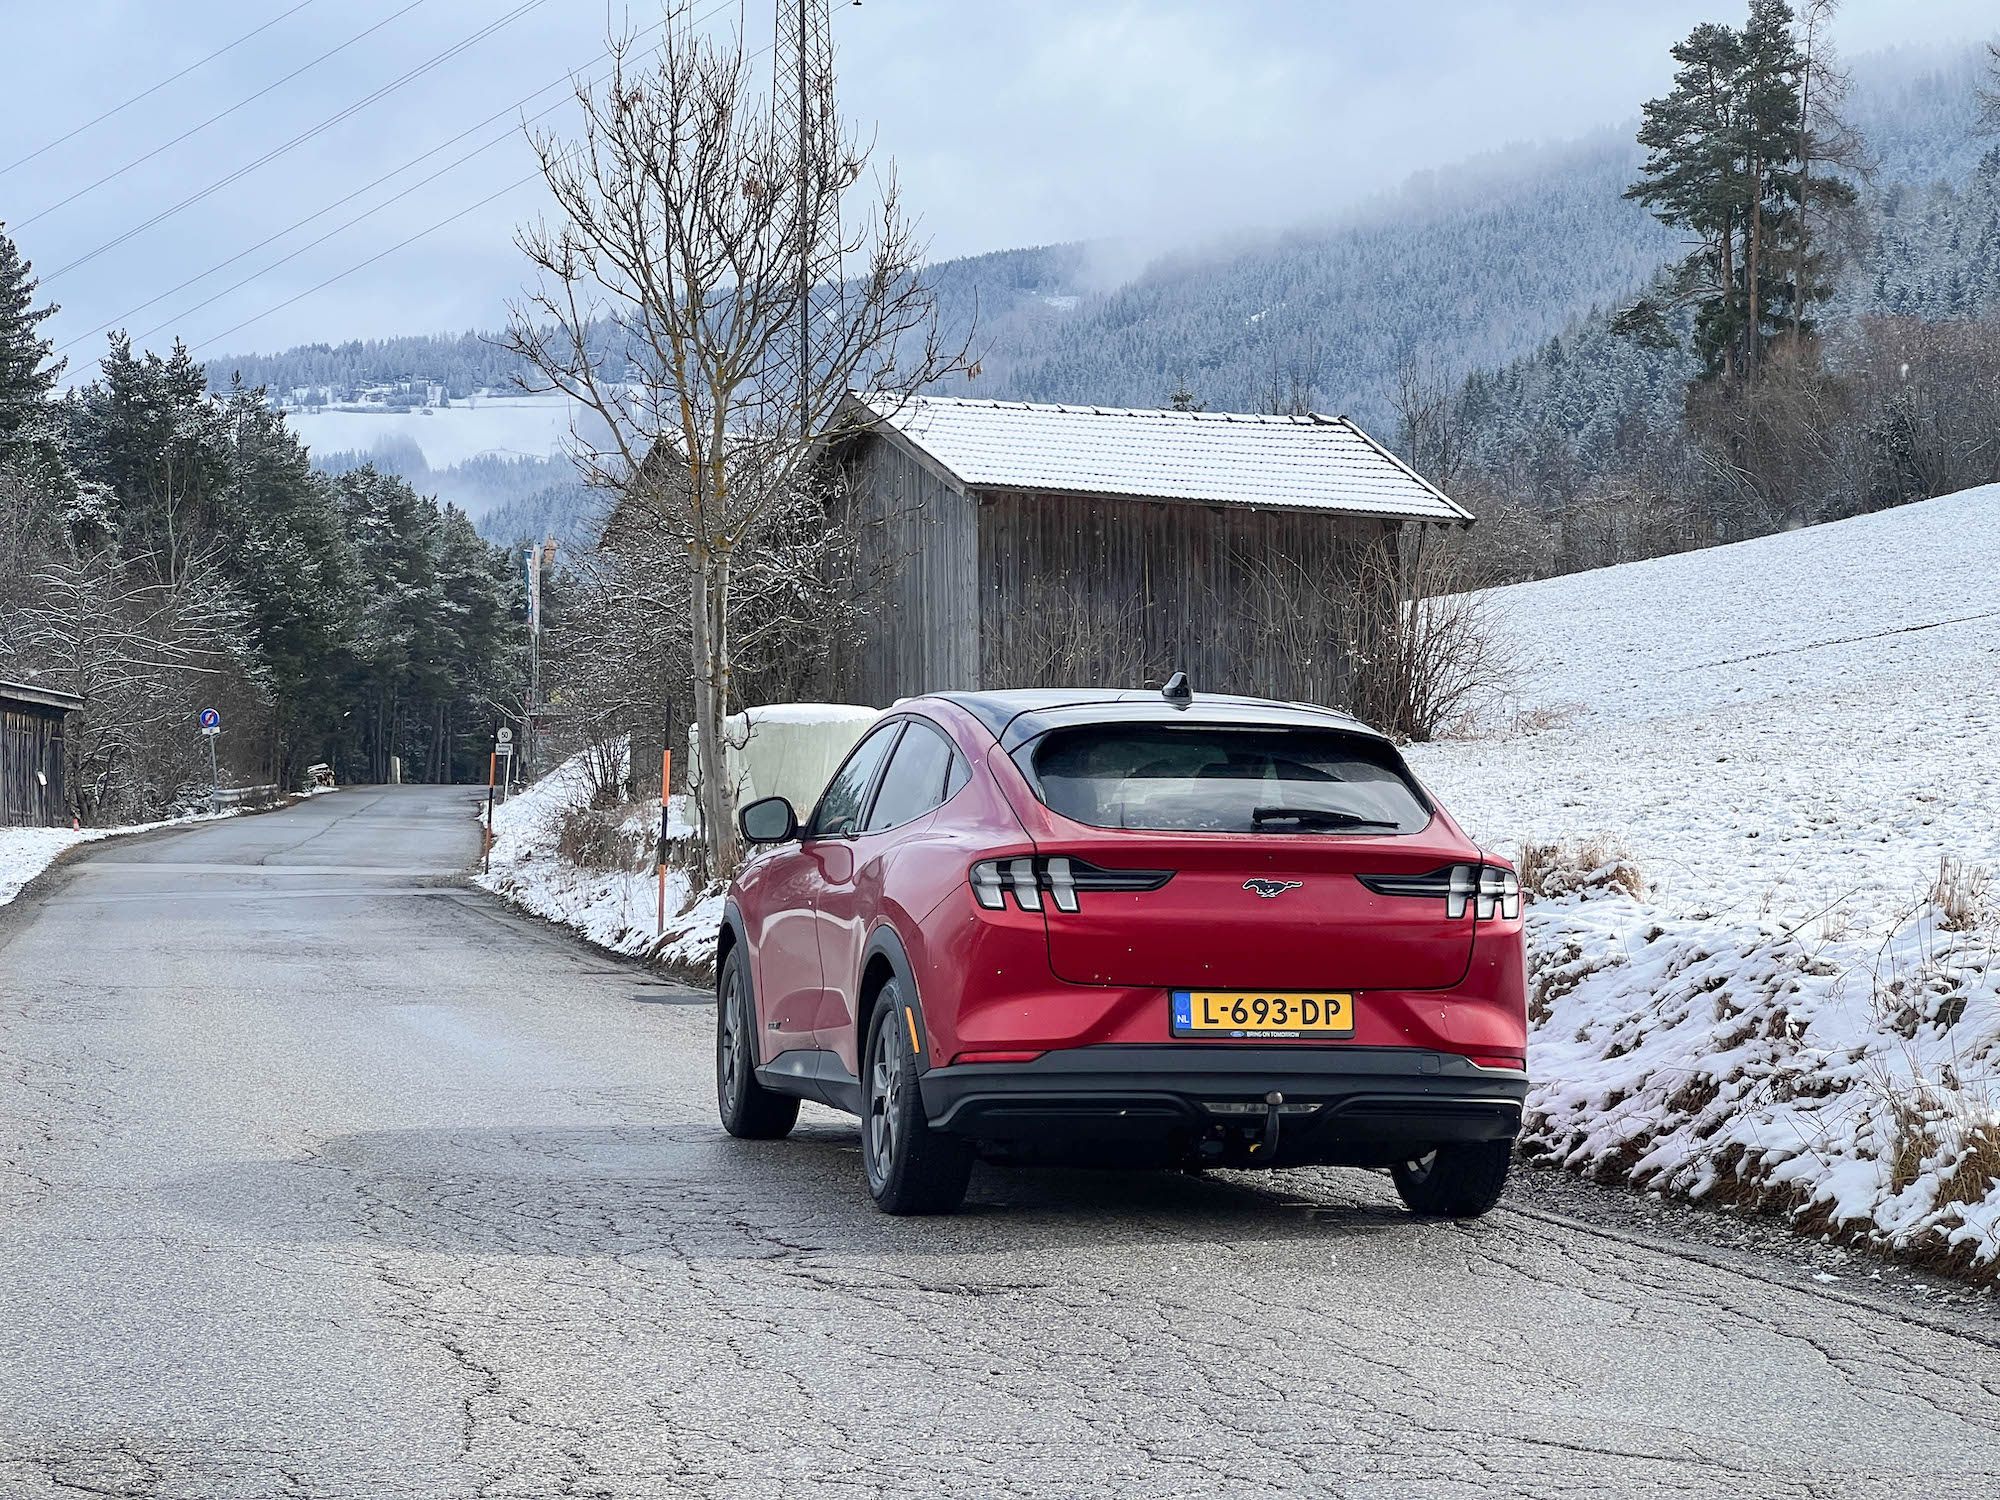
<point x="1029" y="545"/>
<point x="31" y="754"/>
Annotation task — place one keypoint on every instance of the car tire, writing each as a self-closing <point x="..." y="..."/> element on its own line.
<point x="748" y="1109"/>
<point x="910" y="1168"/>
<point x="1459" y="1181"/>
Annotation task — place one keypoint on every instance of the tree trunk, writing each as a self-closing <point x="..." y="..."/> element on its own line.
<point x="1756" y="234"/>
<point x="711" y="707"/>
<point x="1728" y="289"/>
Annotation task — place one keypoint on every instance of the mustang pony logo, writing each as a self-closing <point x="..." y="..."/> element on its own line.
<point x="1269" y="888"/>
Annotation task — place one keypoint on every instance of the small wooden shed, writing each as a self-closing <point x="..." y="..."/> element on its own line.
<point x="1027" y="545"/>
<point x="31" y="754"/>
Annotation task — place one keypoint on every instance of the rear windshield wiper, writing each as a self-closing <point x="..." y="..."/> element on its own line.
<point x="1318" y="817"/>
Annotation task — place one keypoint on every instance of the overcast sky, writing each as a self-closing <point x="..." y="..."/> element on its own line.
<point x="1011" y="123"/>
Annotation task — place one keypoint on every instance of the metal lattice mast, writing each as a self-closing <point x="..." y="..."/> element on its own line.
<point x="802" y="114"/>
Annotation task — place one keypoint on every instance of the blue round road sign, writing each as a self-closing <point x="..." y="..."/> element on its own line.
<point x="210" y="719"/>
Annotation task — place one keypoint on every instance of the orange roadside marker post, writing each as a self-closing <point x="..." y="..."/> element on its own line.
<point x="486" y="854"/>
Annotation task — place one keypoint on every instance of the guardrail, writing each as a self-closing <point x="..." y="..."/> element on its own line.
<point x="234" y="796"/>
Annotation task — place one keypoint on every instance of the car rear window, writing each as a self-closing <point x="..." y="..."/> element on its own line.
<point x="1216" y="779"/>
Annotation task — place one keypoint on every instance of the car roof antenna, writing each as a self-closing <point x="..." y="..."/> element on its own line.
<point x="1178" y="691"/>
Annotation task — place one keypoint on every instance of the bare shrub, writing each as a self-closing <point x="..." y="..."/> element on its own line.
<point x="1580" y="867"/>
<point x="596" y="840"/>
<point x="1909" y="1143"/>
<point x="607" y="760"/>
<point x="1960" y="894"/>
<point x="1430" y="651"/>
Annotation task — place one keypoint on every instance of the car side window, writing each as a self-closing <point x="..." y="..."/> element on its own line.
<point x="915" y="780"/>
<point x="840" y="804"/>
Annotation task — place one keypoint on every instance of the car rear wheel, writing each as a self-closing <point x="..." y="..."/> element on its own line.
<point x="911" y="1169"/>
<point x="1459" y="1181"/>
<point x="748" y="1109"/>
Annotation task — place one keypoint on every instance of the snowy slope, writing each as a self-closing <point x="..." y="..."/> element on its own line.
<point x="1790" y="737"/>
<point x="510" y="425"/>
<point x="1810" y="714"/>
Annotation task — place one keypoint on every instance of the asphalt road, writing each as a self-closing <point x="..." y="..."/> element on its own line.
<point x="323" y="1175"/>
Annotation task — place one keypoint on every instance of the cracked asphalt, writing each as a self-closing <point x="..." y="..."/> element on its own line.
<point x="322" y="1174"/>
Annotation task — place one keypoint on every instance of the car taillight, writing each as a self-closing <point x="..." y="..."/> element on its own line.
<point x="1062" y="876"/>
<point x="986" y="887"/>
<point x="1491" y="890"/>
<point x="1499" y="894"/>
<point x="1457" y="888"/>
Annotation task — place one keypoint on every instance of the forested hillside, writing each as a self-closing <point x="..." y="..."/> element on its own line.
<point x="167" y="549"/>
<point x="511" y="499"/>
<point x="1593" y="448"/>
<point x="1498" y="277"/>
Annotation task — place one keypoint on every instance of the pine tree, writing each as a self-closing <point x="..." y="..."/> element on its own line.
<point x="148" y="432"/>
<point x="1728" y="154"/>
<point x="27" y="372"/>
<point x="292" y="562"/>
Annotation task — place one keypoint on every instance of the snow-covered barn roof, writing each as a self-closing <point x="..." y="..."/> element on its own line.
<point x="1214" y="458"/>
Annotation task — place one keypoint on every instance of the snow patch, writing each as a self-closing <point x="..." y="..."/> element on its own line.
<point x="1787" y="996"/>
<point x="26" y="852"/>
<point x="618" y="907"/>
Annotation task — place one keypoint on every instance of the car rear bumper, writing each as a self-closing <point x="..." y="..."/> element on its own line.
<point x="1369" y="1106"/>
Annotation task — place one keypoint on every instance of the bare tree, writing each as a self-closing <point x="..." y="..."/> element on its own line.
<point x="1291" y="388"/>
<point x="700" y="301"/>
<point x="1989" y="96"/>
<point x="1826" y="141"/>
<point x="1427" y="647"/>
<point x="1429" y="418"/>
<point x="134" y="640"/>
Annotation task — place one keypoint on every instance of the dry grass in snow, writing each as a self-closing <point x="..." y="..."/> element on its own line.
<point x="592" y="870"/>
<point x="1755" y="794"/>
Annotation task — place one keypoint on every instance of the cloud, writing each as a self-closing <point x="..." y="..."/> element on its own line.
<point x="1154" y="123"/>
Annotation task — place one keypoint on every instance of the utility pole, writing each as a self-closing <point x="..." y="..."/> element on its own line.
<point x="538" y="558"/>
<point x="802" y="112"/>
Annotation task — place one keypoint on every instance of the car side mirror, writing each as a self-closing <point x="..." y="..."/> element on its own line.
<point x="768" y="820"/>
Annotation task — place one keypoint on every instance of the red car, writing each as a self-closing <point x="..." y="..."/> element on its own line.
<point x="1144" y="928"/>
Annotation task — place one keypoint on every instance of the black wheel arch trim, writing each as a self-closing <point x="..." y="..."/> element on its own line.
<point x="732" y="927"/>
<point x="884" y="943"/>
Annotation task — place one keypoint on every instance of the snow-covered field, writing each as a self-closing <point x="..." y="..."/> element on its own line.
<point x="1791" y="737"/>
<point x="514" y="426"/>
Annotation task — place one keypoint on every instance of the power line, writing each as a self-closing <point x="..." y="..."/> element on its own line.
<point x="363" y="265"/>
<point x="148" y="93"/>
<point x="348" y="198"/>
<point x="568" y="78"/>
<point x="303" y="136"/>
<point x="433" y="228"/>
<point x="448" y="167"/>
<point x="196" y="130"/>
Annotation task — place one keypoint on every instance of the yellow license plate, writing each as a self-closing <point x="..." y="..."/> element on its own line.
<point x="1250" y="1014"/>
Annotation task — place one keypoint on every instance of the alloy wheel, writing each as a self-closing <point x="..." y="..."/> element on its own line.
<point x="885" y="1093"/>
<point x="729" y="1048"/>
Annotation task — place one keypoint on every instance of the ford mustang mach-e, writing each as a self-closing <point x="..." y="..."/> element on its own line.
<point x="1144" y="928"/>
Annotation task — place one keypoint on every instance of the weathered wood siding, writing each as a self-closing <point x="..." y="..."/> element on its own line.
<point x="919" y="563"/>
<point x="1084" y="590"/>
<point x="31" y="741"/>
